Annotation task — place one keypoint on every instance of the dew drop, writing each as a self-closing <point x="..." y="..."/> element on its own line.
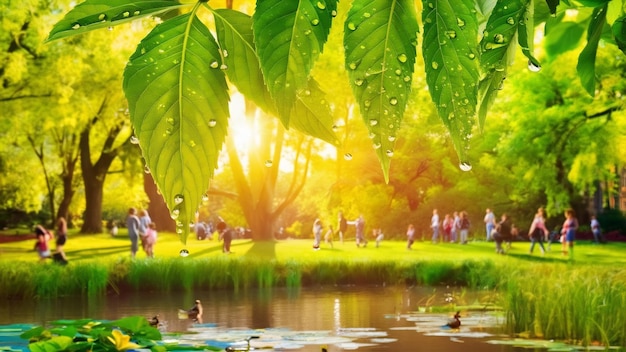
<point x="333" y="13"/>
<point x="214" y="64"/>
<point x="451" y="34"/>
<point x="76" y="26"/>
<point x="352" y="65"/>
<point x="178" y="199"/>
<point x="170" y="120"/>
<point x="430" y="4"/>
<point x="184" y="253"/>
<point x="358" y="82"/>
<point x="498" y="38"/>
<point x="125" y="14"/>
<point x="268" y="163"/>
<point x="389" y="153"/>
<point x="225" y="53"/>
<point x="136" y="13"/>
<point x="533" y="67"/>
<point x="102" y="17"/>
<point x="146" y="169"/>
<point x="224" y="67"/>
<point x="460" y="22"/>
<point x="373" y="122"/>
<point x="367" y="103"/>
<point x="407" y="78"/>
<point x="510" y="20"/>
<point x="471" y="56"/>
<point x="434" y="65"/>
<point x="367" y="15"/>
<point x="372" y="135"/>
<point x="377" y="145"/>
<point x="307" y="32"/>
<point x="351" y="26"/>
<point x="192" y="144"/>
<point x="335" y="128"/>
<point x="315" y="21"/>
<point x="391" y="138"/>
<point x="174" y="214"/>
<point x="465" y="166"/>
<point x="347" y="156"/>
<point x="402" y="58"/>
<point x="205" y="198"/>
<point x="321" y="5"/>
<point x="134" y="140"/>
<point x="393" y="101"/>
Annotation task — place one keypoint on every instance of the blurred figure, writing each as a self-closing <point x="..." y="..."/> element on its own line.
<point x="378" y="235"/>
<point x="132" y="224"/>
<point x="490" y="222"/>
<point x="328" y="237"/>
<point x="317" y="233"/>
<point x="568" y="233"/>
<point x="150" y="240"/>
<point x="596" y="230"/>
<point x="42" y="243"/>
<point x="410" y="236"/>
<point x="342" y="227"/>
<point x="225" y="234"/>
<point x="464" y="225"/>
<point x="359" y="224"/>
<point x="448" y="223"/>
<point x="61" y="238"/>
<point x="538" y="231"/>
<point x="434" y="225"/>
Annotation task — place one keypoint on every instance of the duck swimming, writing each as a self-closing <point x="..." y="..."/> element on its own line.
<point x="154" y="322"/>
<point x="454" y="323"/>
<point x="194" y="313"/>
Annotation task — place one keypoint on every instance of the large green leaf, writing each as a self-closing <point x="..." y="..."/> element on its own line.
<point x="451" y="62"/>
<point x="234" y="33"/>
<point x="619" y="32"/>
<point x="178" y="100"/>
<point x="587" y="58"/>
<point x="379" y="40"/>
<point x="289" y="37"/>
<point x="497" y="50"/>
<point x="562" y="37"/>
<point x="526" y="36"/>
<point x="95" y="14"/>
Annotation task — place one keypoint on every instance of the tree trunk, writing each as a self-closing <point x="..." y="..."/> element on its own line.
<point x="157" y="208"/>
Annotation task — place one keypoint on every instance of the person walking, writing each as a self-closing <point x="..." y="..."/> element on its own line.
<point x="502" y="233"/>
<point x="328" y="237"/>
<point x="464" y="225"/>
<point x="456" y="227"/>
<point x="61" y="238"/>
<point x="359" y="224"/>
<point x="378" y="236"/>
<point x="538" y="231"/>
<point x="150" y="240"/>
<point x="434" y="225"/>
<point x="490" y="223"/>
<point x="317" y="233"/>
<point x="568" y="233"/>
<point x="225" y="234"/>
<point x="596" y="230"/>
<point x="447" y="224"/>
<point x="410" y="236"/>
<point x="342" y="226"/>
<point x="132" y="224"/>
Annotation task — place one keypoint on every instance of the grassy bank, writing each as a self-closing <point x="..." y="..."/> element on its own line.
<point x="551" y="296"/>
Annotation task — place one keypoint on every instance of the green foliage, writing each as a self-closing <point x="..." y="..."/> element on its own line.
<point x="175" y="82"/>
<point x="85" y="335"/>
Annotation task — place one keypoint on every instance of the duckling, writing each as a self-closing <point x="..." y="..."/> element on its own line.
<point x="154" y="322"/>
<point x="454" y="323"/>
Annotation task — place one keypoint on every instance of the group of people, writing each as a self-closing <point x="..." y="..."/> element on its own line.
<point x="43" y="238"/>
<point x="141" y="228"/>
<point x="342" y="228"/>
<point x="454" y="227"/>
<point x="538" y="232"/>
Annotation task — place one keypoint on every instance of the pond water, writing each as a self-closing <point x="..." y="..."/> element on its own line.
<point x="304" y="319"/>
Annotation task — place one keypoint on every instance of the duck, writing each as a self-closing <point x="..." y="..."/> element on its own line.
<point x="154" y="322"/>
<point x="454" y="323"/>
<point x="194" y="313"/>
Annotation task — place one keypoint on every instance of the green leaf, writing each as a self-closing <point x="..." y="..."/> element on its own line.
<point x="526" y="35"/>
<point x="314" y="114"/>
<point x="57" y="343"/>
<point x="451" y="62"/>
<point x="290" y="35"/>
<point x="552" y="5"/>
<point x="562" y="37"/>
<point x="496" y="50"/>
<point x="178" y="101"/>
<point x="96" y="14"/>
<point x="379" y="40"/>
<point x="587" y="58"/>
<point x="619" y="32"/>
<point x="593" y="3"/>
<point x="234" y="33"/>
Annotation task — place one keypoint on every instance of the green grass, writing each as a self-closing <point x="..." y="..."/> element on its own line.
<point x="577" y="299"/>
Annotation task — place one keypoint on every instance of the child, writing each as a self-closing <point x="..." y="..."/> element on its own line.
<point x="328" y="237"/>
<point x="378" y="234"/>
<point x="150" y="239"/>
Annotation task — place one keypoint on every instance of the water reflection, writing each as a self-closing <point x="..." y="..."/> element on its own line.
<point x="371" y="318"/>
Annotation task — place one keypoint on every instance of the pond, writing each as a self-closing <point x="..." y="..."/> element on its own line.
<point x="304" y="319"/>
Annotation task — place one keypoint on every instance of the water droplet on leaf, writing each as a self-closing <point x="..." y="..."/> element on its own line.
<point x="268" y="163"/>
<point x="146" y="169"/>
<point x="174" y="214"/>
<point x="393" y="101"/>
<point x="214" y="64"/>
<point x="184" y="253"/>
<point x="465" y="166"/>
<point x="315" y="22"/>
<point x="533" y="67"/>
<point x="76" y="26"/>
<point x="125" y="14"/>
<point x="434" y="65"/>
<point x="373" y="122"/>
<point x="402" y="58"/>
<point x="102" y="17"/>
<point x="178" y="198"/>
<point x="212" y="123"/>
<point x="389" y="153"/>
<point x="321" y="5"/>
<point x="351" y="26"/>
<point x="510" y="20"/>
<point x="134" y="140"/>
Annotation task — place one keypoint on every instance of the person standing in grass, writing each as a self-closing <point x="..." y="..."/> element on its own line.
<point x="41" y="245"/>
<point x="132" y="224"/>
<point x="464" y="225"/>
<point x="595" y="229"/>
<point x="434" y="225"/>
<point x="61" y="237"/>
<point x="342" y="227"/>
<point x="568" y="233"/>
<point x="144" y="222"/>
<point x="502" y="233"/>
<point x="150" y="240"/>
<point x="538" y="231"/>
<point x="225" y="234"/>
<point x="378" y="236"/>
<point x="410" y="236"/>
<point x="490" y="223"/>
<point x="317" y="233"/>
<point x="456" y="226"/>
<point x="359" y="224"/>
<point x="328" y="237"/>
<point x="447" y="224"/>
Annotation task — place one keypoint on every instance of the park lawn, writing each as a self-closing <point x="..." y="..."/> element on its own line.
<point x="81" y="248"/>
